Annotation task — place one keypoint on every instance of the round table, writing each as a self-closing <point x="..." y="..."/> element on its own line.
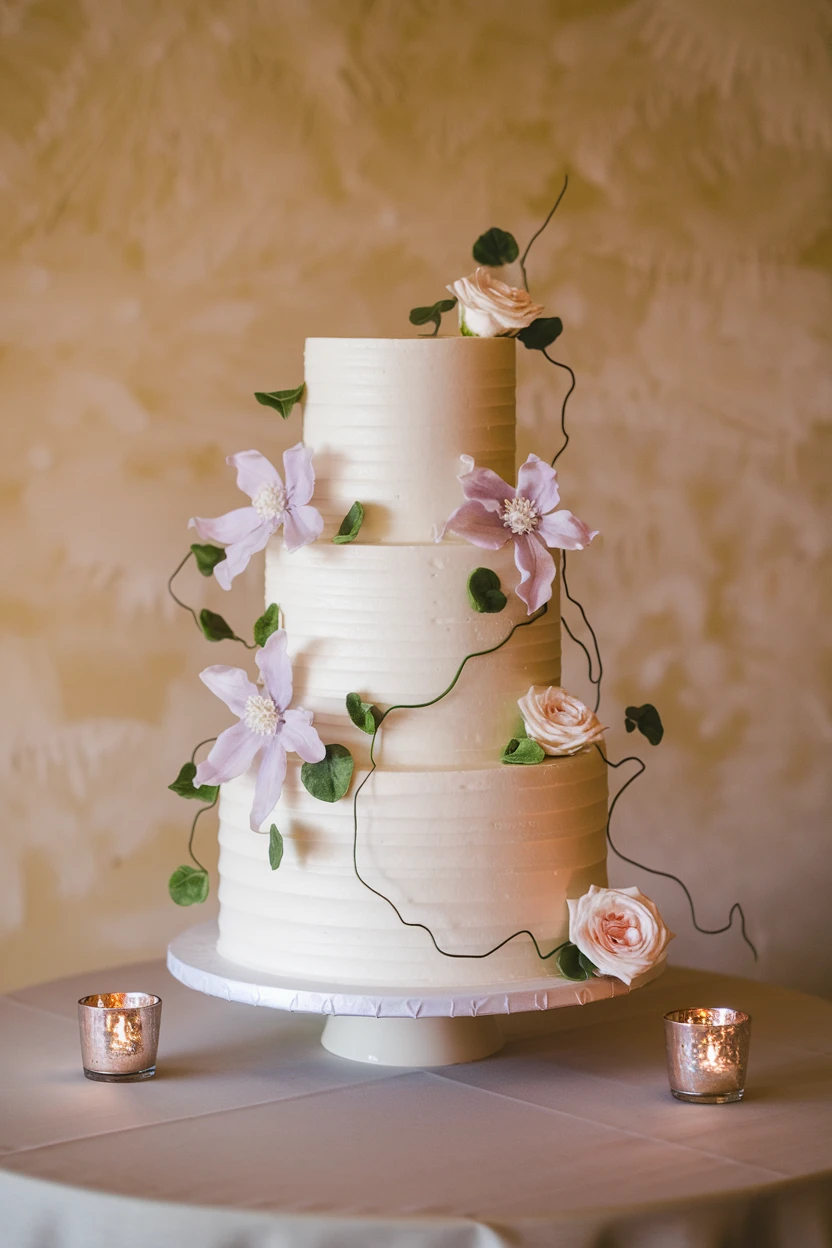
<point x="252" y="1135"/>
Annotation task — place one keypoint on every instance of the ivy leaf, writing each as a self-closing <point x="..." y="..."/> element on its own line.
<point x="275" y="847"/>
<point x="484" y="593"/>
<point x="648" y="721"/>
<point x="350" y="525"/>
<point x="329" y="779"/>
<point x="523" y="750"/>
<point x="268" y="623"/>
<point x="363" y="714"/>
<point x="281" y="400"/>
<point x="188" y="886"/>
<point x="496" y="247"/>
<point x="573" y="964"/>
<point x="541" y="333"/>
<point x="214" y="626"/>
<point x="432" y="315"/>
<point x="183" y="785"/>
<point x="207" y="557"/>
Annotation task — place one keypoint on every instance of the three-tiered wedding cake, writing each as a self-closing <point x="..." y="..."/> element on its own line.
<point x="474" y="849"/>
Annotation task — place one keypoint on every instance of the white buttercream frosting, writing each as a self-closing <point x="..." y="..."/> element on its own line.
<point x="393" y="623"/>
<point x="388" y="419"/>
<point x="475" y="854"/>
<point x="474" y="849"/>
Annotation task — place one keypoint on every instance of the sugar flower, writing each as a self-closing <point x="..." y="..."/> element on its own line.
<point x="489" y="308"/>
<point x="267" y="727"/>
<point x="246" y="531"/>
<point x="496" y="512"/>
<point x="559" y="722"/>
<point x="619" y="930"/>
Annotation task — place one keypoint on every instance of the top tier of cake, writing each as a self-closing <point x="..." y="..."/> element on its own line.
<point x="388" y="419"/>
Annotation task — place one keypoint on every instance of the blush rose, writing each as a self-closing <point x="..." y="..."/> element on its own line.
<point x="619" y="930"/>
<point x="489" y="308"/>
<point x="559" y="723"/>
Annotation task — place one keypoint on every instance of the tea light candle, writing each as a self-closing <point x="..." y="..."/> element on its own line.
<point x="707" y="1054"/>
<point x="119" y="1035"/>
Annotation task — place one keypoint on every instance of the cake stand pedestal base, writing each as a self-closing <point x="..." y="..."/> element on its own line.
<point x="412" y="1041"/>
<point x="393" y="1026"/>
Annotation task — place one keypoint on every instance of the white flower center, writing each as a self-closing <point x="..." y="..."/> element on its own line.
<point x="270" y="501"/>
<point x="261" y="716"/>
<point x="520" y="515"/>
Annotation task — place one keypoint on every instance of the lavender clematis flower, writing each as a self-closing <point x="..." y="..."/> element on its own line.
<point x="246" y="531"/>
<point x="267" y="726"/>
<point x="496" y="512"/>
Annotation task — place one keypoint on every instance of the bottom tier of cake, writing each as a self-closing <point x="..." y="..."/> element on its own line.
<point x="473" y="855"/>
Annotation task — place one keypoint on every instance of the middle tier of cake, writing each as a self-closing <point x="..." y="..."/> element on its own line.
<point x="475" y="855"/>
<point x="393" y="623"/>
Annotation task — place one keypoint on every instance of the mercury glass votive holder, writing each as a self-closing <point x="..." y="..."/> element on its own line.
<point x="119" y="1035"/>
<point x="707" y="1054"/>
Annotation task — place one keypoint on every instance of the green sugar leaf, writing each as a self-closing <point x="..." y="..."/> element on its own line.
<point x="363" y="714"/>
<point x="350" y="525"/>
<point x="214" y="626"/>
<point x="496" y="247"/>
<point x="268" y="623"/>
<point x="648" y="721"/>
<point x="183" y="785"/>
<point x="207" y="557"/>
<point x="573" y="964"/>
<point x="329" y="779"/>
<point x="523" y="750"/>
<point x="188" y="886"/>
<point x="281" y="400"/>
<point x="432" y="315"/>
<point x="484" y="593"/>
<point x="275" y="847"/>
<point x="541" y="333"/>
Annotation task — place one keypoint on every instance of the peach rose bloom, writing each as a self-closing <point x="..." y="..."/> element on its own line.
<point x="619" y="930"/>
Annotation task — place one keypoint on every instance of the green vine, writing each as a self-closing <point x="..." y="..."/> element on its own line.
<point x="212" y="626"/>
<point x="188" y="886"/>
<point x="416" y="706"/>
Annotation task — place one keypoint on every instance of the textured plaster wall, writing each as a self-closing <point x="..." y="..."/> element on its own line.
<point x="189" y="188"/>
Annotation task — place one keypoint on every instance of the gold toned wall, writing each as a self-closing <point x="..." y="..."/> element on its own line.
<point x="190" y="187"/>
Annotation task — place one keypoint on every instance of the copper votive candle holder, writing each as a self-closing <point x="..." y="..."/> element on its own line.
<point x="119" y="1035"/>
<point x="707" y="1054"/>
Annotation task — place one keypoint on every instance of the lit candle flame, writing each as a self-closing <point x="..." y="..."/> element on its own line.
<point x="712" y="1057"/>
<point x="125" y="1036"/>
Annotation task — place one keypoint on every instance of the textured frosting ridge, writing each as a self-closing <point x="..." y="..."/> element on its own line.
<point x="475" y="854"/>
<point x="393" y="624"/>
<point x="388" y="419"/>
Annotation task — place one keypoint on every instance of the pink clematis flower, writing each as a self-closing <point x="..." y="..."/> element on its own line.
<point x="496" y="513"/>
<point x="246" y="531"/>
<point x="267" y="727"/>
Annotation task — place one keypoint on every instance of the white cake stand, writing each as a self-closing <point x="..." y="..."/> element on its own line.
<point x="386" y="1026"/>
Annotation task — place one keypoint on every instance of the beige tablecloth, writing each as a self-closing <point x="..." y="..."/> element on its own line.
<point x="252" y="1136"/>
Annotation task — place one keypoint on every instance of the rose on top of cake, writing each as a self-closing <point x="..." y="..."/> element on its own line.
<point x="490" y="308"/>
